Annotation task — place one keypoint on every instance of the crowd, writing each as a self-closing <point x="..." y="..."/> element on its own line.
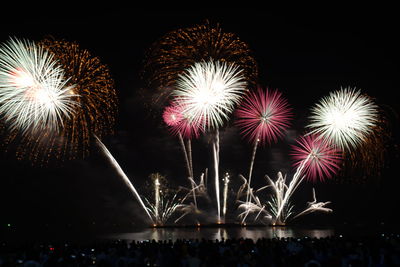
<point x="382" y="250"/>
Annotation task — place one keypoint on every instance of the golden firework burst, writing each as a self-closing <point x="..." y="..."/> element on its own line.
<point x="94" y="114"/>
<point x="179" y="49"/>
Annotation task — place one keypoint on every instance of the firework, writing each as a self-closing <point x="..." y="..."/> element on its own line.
<point x="97" y="100"/>
<point x="178" y="50"/>
<point x="157" y="196"/>
<point x="322" y="159"/>
<point x="187" y="209"/>
<point x="94" y="114"/>
<point x="180" y="125"/>
<point x="314" y="206"/>
<point x="196" y="189"/>
<point x="279" y="209"/>
<point x="263" y="116"/>
<point x="179" y="122"/>
<point x="209" y="91"/>
<point x="122" y="174"/>
<point x="368" y="159"/>
<point x="253" y="207"/>
<point x="225" y="194"/>
<point x="215" y="149"/>
<point x="163" y="206"/>
<point x="314" y="158"/>
<point x="163" y="211"/>
<point x="345" y="118"/>
<point x="35" y="96"/>
<point x="277" y="201"/>
<point x="173" y="117"/>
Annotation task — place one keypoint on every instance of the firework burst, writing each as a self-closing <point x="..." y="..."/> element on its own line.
<point x="321" y="159"/>
<point x="181" y="126"/>
<point x="263" y="116"/>
<point x="34" y="95"/>
<point x="209" y="91"/>
<point x="344" y="118"/>
<point x="91" y="88"/>
<point x="179" y="122"/>
<point x="96" y="112"/>
<point x="164" y="204"/>
<point x="176" y="51"/>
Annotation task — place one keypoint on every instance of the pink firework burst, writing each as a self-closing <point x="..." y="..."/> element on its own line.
<point x="172" y="115"/>
<point x="320" y="159"/>
<point x="263" y="116"/>
<point x="179" y="123"/>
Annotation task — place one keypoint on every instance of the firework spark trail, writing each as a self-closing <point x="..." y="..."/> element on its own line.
<point x="33" y="92"/>
<point x="294" y="183"/>
<point x="205" y="177"/>
<point x="241" y="188"/>
<point x="215" y="146"/>
<point x="180" y="125"/>
<point x="199" y="188"/>
<point x="188" y="165"/>
<point x="187" y="209"/>
<point x="189" y="149"/>
<point x="250" y="207"/>
<point x="185" y="153"/>
<point x="280" y="188"/>
<point x="314" y="206"/>
<point x="251" y="168"/>
<point x="165" y="209"/>
<point x="226" y="185"/>
<point x="157" y="197"/>
<point x="122" y="174"/>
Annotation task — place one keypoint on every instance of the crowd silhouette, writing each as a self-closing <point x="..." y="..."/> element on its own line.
<point x="338" y="250"/>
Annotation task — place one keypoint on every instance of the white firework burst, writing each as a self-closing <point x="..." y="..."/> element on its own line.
<point x="345" y="118"/>
<point x="33" y="91"/>
<point x="209" y="91"/>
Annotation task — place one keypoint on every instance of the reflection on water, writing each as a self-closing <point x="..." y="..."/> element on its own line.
<point x="222" y="233"/>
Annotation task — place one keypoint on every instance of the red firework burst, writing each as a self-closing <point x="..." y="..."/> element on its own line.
<point x="179" y="123"/>
<point x="320" y="159"/>
<point x="263" y="116"/>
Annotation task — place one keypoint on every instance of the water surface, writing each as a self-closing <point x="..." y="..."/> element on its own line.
<point x="221" y="233"/>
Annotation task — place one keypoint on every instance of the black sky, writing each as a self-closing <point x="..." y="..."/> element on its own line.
<point x="305" y="53"/>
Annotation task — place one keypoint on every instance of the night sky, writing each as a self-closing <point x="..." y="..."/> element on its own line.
<point x="304" y="54"/>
